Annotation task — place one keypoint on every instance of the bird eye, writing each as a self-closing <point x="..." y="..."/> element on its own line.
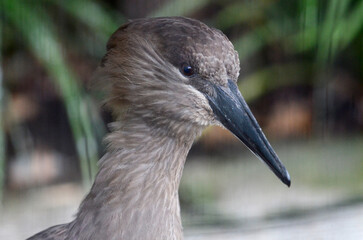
<point x="187" y="70"/>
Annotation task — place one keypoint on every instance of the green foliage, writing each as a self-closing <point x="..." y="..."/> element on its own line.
<point x="95" y="23"/>
<point x="308" y="26"/>
<point x="39" y="34"/>
<point x="259" y="82"/>
<point x="179" y="8"/>
<point x="2" y="134"/>
<point x="312" y="33"/>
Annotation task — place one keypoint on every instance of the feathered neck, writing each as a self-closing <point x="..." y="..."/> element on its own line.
<point x="135" y="194"/>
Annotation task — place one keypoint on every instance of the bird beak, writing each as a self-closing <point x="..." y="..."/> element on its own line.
<point x="232" y="111"/>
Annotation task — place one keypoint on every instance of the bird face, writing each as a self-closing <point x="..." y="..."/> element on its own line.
<point x="179" y="72"/>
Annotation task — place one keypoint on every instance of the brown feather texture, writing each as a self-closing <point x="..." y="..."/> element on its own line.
<point x="159" y="112"/>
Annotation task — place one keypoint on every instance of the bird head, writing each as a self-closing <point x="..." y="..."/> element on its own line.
<point x="179" y="74"/>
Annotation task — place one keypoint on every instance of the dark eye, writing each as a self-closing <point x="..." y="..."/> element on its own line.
<point x="187" y="70"/>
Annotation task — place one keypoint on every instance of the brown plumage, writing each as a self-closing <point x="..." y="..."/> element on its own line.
<point x="166" y="80"/>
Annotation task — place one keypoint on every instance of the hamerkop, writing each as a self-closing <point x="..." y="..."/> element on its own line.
<point x="166" y="79"/>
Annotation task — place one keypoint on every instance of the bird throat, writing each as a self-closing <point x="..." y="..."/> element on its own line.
<point x="135" y="194"/>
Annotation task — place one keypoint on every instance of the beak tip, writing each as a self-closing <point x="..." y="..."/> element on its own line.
<point x="286" y="179"/>
<point x="288" y="182"/>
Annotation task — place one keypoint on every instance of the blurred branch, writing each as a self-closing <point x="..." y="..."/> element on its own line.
<point x="320" y="31"/>
<point x="325" y="39"/>
<point x="93" y="23"/>
<point x="350" y="26"/>
<point x="334" y="32"/>
<point x="93" y="16"/>
<point x="306" y="38"/>
<point x="260" y="82"/>
<point x="241" y="12"/>
<point x="250" y="43"/>
<point x="338" y="26"/>
<point x="2" y="132"/>
<point x="179" y="8"/>
<point x="38" y="32"/>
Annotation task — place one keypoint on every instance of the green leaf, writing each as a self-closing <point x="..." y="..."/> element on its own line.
<point x="38" y="32"/>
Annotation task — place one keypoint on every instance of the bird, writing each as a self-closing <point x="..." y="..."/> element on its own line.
<point x="165" y="80"/>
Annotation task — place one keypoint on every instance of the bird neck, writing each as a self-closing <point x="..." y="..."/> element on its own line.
<point x="135" y="194"/>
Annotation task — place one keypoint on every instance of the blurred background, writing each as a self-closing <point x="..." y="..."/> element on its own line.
<point x="301" y="73"/>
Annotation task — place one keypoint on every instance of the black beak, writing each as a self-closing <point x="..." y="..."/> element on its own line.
<point x="232" y="111"/>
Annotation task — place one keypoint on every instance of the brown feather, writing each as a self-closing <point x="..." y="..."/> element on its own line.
<point x="159" y="114"/>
